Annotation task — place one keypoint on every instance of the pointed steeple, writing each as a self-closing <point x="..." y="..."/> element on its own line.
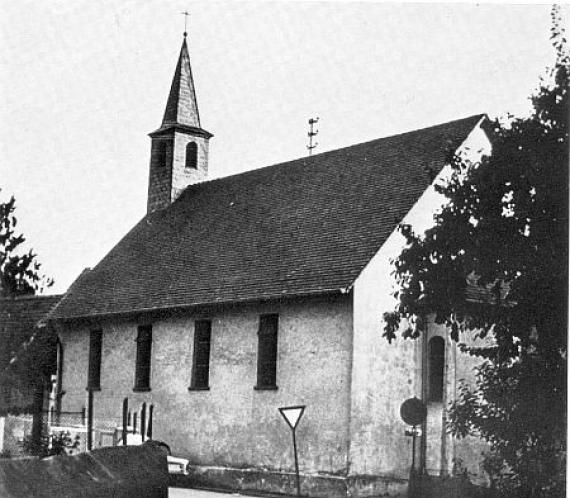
<point x="179" y="148"/>
<point x="182" y="107"/>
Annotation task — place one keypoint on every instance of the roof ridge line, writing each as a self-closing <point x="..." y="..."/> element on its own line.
<point x="321" y="154"/>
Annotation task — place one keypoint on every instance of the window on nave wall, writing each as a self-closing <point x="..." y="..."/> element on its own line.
<point x="201" y="357"/>
<point x="142" y="366"/>
<point x="267" y="352"/>
<point x="94" y="369"/>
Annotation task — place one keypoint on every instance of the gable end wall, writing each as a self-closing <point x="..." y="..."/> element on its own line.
<point x="384" y="375"/>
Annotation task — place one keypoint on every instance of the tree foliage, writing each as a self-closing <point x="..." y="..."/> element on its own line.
<point x="495" y="264"/>
<point x="19" y="276"/>
<point x="19" y="271"/>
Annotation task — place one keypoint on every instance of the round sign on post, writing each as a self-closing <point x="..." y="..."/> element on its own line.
<point x="413" y="411"/>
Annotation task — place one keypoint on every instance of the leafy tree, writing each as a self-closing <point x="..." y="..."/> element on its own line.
<point x="19" y="271"/>
<point x="502" y="238"/>
<point x="20" y="275"/>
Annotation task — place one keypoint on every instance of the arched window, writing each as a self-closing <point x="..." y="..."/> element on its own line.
<point x="162" y="153"/>
<point x="436" y="360"/>
<point x="192" y="155"/>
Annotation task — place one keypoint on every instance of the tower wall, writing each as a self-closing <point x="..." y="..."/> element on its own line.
<point x="169" y="177"/>
<point x="160" y="175"/>
<point x="181" y="175"/>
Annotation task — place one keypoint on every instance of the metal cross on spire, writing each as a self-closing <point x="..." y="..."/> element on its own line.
<point x="185" y="14"/>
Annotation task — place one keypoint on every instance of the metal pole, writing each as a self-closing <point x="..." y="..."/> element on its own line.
<point x="149" y="428"/>
<point x="296" y="464"/>
<point x="125" y="420"/>
<point x="413" y="448"/>
<point x="134" y="422"/>
<point x="89" y="420"/>
<point x="143" y="421"/>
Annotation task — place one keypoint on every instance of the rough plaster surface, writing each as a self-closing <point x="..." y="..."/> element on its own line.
<point x="457" y="455"/>
<point x="384" y="375"/>
<point x="231" y="424"/>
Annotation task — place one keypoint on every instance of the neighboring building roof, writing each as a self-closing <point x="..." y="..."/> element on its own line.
<point x="20" y="319"/>
<point x="302" y="227"/>
<point x="24" y="313"/>
<point x="487" y="294"/>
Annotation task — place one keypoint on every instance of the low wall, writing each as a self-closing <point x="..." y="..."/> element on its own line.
<point x="312" y="485"/>
<point x="446" y="487"/>
<point x="121" y="471"/>
<point x="14" y="428"/>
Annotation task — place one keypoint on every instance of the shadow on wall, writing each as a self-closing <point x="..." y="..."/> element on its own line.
<point x="121" y="471"/>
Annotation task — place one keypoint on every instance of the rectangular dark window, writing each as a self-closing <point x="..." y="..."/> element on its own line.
<point x="436" y="366"/>
<point x="201" y="361"/>
<point x="267" y="352"/>
<point x="94" y="372"/>
<point x="142" y="369"/>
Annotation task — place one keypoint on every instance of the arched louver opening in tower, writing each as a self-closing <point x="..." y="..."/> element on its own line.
<point x="162" y="153"/>
<point x="436" y="361"/>
<point x="192" y="155"/>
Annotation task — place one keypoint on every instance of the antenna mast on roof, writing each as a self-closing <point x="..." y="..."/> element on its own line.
<point x="312" y="133"/>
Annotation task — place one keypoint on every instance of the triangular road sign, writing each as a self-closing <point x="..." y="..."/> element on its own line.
<point x="292" y="414"/>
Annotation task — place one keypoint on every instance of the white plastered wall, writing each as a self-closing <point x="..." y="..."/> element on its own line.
<point x="384" y="375"/>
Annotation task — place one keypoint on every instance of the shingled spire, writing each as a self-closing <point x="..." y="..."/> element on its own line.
<point x="179" y="150"/>
<point x="182" y="107"/>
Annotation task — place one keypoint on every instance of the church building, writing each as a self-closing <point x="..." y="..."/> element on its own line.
<point x="234" y="297"/>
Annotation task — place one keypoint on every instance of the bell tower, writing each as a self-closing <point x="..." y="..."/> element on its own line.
<point x="179" y="148"/>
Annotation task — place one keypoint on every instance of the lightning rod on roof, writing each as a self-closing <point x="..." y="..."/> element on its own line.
<point x="312" y="133"/>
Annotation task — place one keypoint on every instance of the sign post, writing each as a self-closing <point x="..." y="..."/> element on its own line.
<point x="292" y="415"/>
<point x="89" y="419"/>
<point x="413" y="412"/>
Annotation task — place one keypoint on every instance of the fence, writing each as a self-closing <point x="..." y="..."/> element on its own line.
<point x="136" y="426"/>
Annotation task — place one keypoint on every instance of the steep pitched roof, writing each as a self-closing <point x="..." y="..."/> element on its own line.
<point x="302" y="227"/>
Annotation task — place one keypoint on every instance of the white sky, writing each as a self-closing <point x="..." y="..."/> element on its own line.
<point x="83" y="82"/>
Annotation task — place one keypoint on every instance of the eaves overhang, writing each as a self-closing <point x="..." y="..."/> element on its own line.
<point x="192" y="130"/>
<point x="160" y="311"/>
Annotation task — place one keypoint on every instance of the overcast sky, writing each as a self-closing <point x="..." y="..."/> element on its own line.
<point x="83" y="82"/>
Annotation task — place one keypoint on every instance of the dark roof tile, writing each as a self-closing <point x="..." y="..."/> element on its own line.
<point x="297" y="228"/>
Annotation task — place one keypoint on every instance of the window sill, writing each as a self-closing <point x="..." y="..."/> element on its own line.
<point x="265" y="388"/>
<point x="196" y="388"/>
<point x="141" y="389"/>
<point x="88" y="388"/>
